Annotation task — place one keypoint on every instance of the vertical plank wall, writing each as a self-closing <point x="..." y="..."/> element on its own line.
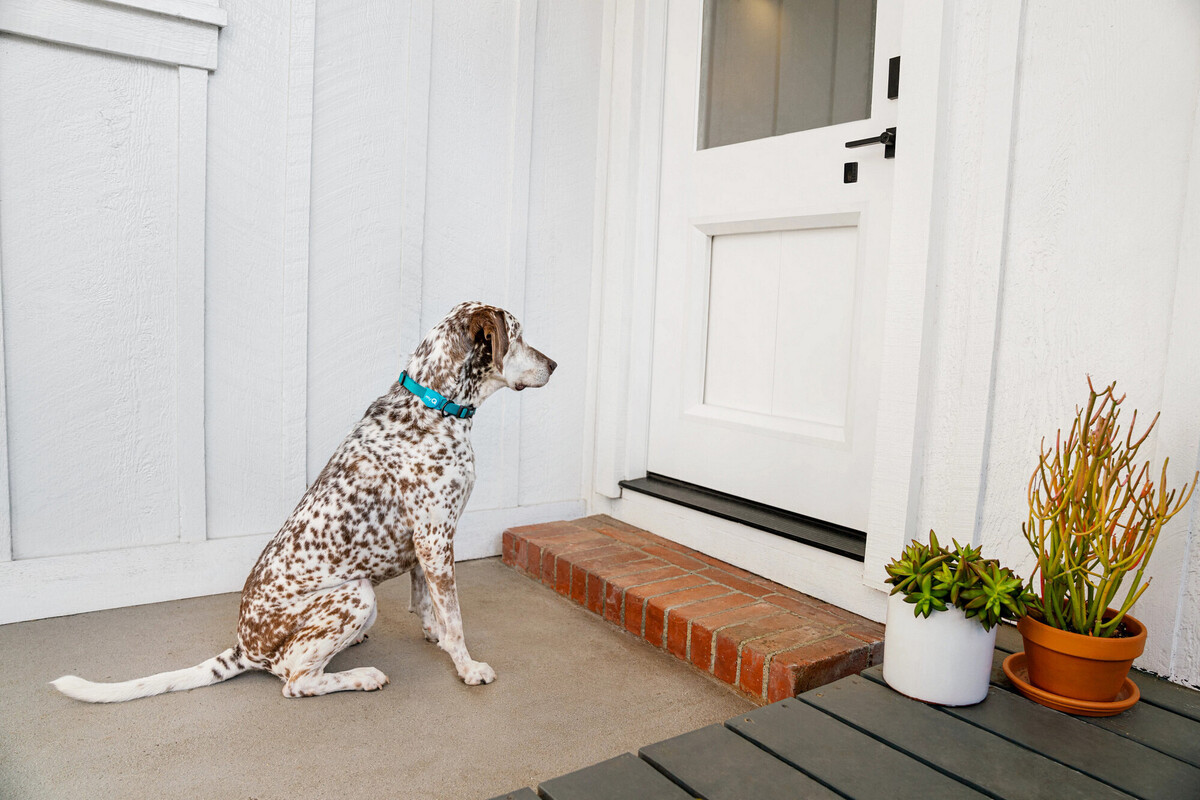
<point x="365" y="167"/>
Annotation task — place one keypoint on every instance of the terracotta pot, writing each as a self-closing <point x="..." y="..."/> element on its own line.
<point x="1082" y="667"/>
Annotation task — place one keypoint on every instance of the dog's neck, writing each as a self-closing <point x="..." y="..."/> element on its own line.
<point x="442" y="363"/>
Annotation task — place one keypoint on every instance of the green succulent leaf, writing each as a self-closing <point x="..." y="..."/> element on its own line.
<point x="933" y="578"/>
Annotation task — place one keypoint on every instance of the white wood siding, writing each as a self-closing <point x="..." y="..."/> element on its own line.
<point x="216" y="250"/>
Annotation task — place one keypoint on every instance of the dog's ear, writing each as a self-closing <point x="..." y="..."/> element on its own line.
<point x="488" y="327"/>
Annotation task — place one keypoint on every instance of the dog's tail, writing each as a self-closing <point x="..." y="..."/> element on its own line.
<point x="218" y="668"/>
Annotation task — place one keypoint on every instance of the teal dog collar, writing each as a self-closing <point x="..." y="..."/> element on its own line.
<point x="434" y="400"/>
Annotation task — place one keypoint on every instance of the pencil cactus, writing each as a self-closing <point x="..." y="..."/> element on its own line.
<point x="1094" y="517"/>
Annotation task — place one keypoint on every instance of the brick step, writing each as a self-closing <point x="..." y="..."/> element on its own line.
<point x="766" y="640"/>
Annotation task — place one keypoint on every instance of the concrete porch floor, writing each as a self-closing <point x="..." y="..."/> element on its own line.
<point x="571" y="691"/>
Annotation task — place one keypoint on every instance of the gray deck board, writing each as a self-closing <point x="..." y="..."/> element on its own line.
<point x="984" y="760"/>
<point x="716" y="764"/>
<point x="1156" y="727"/>
<point x="1123" y="763"/>
<point x="1165" y="731"/>
<point x="519" y="794"/>
<point x="1167" y="695"/>
<point x="620" y="778"/>
<point x="842" y="757"/>
<point x="858" y="739"/>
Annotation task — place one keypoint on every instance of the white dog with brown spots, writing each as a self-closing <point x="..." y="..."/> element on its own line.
<point x="387" y="503"/>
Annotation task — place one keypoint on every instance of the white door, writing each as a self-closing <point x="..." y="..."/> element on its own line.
<point x="771" y="266"/>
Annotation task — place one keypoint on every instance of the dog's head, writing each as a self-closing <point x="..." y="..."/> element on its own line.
<point x="498" y="352"/>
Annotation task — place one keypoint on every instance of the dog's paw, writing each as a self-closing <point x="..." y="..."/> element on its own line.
<point x="368" y="679"/>
<point x="477" y="672"/>
<point x="432" y="634"/>
<point x="360" y="640"/>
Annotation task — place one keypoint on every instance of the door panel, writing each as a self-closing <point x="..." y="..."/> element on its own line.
<point x="771" y="269"/>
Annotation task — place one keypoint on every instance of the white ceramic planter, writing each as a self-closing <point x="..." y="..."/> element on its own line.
<point x="944" y="659"/>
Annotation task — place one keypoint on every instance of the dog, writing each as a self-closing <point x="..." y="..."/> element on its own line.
<point x="387" y="503"/>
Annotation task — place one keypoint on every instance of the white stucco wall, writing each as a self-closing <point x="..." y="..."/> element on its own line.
<point x="366" y="167"/>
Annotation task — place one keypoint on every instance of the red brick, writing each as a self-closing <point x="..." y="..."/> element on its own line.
<point x="796" y="671"/>
<point x="728" y="642"/>
<point x="543" y="529"/>
<point x="578" y="583"/>
<point x="521" y="549"/>
<point x="635" y="613"/>
<point x="721" y="565"/>
<point x="733" y="582"/>
<point x="866" y="630"/>
<point x="563" y="540"/>
<point x="581" y="554"/>
<point x="674" y="556"/>
<point x="533" y="561"/>
<point x="620" y="554"/>
<point x="808" y="610"/>
<point x="598" y="521"/>
<point x="679" y="619"/>
<point x="508" y="552"/>
<point x="756" y="654"/>
<point x="562" y="577"/>
<point x="548" y="568"/>
<point x="603" y="555"/>
<point x="577" y="545"/>
<point x="653" y="589"/>
<point x="657" y="608"/>
<point x="595" y="594"/>
<point x="703" y="630"/>
<point x="636" y="596"/>
<point x="642" y="564"/>
<point x="644" y="576"/>
<point x="629" y="537"/>
<point x="615" y="586"/>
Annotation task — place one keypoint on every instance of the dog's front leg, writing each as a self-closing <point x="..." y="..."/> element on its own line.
<point x="420" y="604"/>
<point x="436" y="555"/>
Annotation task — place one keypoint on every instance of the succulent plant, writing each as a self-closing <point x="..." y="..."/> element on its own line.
<point x="1094" y="517"/>
<point x="934" y="578"/>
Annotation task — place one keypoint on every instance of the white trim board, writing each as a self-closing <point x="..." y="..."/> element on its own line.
<point x="297" y="198"/>
<point x="61" y="585"/>
<point x="189" y="303"/>
<point x="74" y="584"/>
<point x="626" y="244"/>
<point x="175" y="33"/>
<point x="416" y="165"/>
<point x="520" y="163"/>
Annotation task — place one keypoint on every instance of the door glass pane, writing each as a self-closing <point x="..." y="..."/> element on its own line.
<point x="770" y="67"/>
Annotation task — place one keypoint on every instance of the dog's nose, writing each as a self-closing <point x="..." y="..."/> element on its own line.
<point x="552" y="364"/>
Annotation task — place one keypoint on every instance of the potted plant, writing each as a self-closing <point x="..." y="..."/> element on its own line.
<point x="1095" y="516"/>
<point x="941" y="621"/>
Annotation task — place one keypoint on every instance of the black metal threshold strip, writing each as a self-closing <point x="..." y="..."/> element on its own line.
<point x="788" y="524"/>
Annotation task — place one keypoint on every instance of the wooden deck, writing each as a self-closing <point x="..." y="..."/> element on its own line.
<point x="857" y="738"/>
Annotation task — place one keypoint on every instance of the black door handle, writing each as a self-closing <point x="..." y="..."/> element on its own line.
<point x="887" y="139"/>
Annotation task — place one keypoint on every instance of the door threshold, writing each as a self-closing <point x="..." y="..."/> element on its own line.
<point x="826" y="536"/>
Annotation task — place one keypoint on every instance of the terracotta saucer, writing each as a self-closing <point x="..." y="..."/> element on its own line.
<point x="1017" y="672"/>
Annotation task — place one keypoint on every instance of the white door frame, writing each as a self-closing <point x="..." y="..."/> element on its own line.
<point x="623" y="295"/>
